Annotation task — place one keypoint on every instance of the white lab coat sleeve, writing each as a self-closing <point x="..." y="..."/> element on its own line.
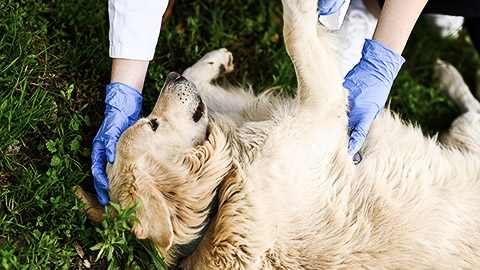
<point x="135" y="27"/>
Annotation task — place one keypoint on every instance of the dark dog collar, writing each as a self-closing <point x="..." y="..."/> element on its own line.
<point x="186" y="250"/>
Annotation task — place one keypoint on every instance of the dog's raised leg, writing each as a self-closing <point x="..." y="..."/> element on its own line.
<point x="453" y="84"/>
<point x="321" y="96"/>
<point x="309" y="46"/>
<point x="211" y="66"/>
<point x="465" y="130"/>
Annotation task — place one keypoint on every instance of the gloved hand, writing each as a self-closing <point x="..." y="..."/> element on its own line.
<point x="123" y="108"/>
<point x="369" y="84"/>
<point x="327" y="7"/>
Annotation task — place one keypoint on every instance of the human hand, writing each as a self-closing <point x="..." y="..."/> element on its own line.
<point x="123" y="108"/>
<point x="332" y="13"/>
<point x="369" y="84"/>
<point x="327" y="7"/>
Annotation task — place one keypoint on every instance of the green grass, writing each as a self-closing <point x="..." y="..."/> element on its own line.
<point x="54" y="66"/>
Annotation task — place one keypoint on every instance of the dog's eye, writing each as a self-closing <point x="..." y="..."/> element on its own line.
<point x="154" y="124"/>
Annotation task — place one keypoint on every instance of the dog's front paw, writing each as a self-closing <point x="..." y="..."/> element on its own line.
<point x="220" y="61"/>
<point x="211" y="66"/>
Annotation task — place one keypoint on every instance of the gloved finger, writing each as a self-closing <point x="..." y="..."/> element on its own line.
<point x="355" y="143"/>
<point x="100" y="182"/>
<point x="100" y="179"/>
<point x="359" y="133"/>
<point x="353" y="120"/>
<point x="113" y="134"/>
<point x="98" y="164"/>
<point x="111" y="139"/>
<point x="326" y="7"/>
<point x="111" y="149"/>
<point x="102" y="193"/>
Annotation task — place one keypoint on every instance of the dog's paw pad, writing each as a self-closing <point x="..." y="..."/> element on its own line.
<point x="221" y="61"/>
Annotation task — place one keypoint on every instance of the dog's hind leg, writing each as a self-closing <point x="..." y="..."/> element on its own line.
<point x="453" y="84"/>
<point x="309" y="46"/>
<point x="211" y="66"/>
<point x="465" y="130"/>
<point x="464" y="133"/>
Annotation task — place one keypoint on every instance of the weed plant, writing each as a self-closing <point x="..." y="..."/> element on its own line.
<point x="54" y="67"/>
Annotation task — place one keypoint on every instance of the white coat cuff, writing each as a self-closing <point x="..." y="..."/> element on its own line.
<point x="136" y="52"/>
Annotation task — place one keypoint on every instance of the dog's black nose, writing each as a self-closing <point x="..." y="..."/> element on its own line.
<point x="173" y="77"/>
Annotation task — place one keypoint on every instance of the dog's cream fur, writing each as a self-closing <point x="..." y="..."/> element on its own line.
<point x="290" y="196"/>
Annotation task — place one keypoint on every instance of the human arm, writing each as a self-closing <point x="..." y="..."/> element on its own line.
<point x="134" y="30"/>
<point x="130" y="72"/>
<point x="396" y="21"/>
<point x="369" y="82"/>
<point x="123" y="105"/>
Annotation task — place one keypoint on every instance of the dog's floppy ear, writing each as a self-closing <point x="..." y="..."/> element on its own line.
<point x="153" y="212"/>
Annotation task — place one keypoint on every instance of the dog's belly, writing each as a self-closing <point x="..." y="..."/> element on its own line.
<point x="405" y="197"/>
<point x="424" y="199"/>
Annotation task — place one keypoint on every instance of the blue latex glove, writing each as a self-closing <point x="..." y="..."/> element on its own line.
<point x="369" y="84"/>
<point x="327" y="7"/>
<point x="123" y="108"/>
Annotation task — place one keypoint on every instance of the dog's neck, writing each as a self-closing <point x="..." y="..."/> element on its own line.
<point x="209" y="164"/>
<point x="185" y="250"/>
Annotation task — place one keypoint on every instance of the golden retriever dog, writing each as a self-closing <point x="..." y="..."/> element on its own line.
<point x="228" y="180"/>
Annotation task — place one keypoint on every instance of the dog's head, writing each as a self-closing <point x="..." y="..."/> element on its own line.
<point x="177" y="122"/>
<point x="172" y="161"/>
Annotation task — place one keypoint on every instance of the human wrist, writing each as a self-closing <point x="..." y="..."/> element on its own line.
<point x="130" y="72"/>
<point x="381" y="61"/>
<point x="124" y="98"/>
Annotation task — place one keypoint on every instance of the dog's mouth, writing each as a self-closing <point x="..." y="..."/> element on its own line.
<point x="200" y="111"/>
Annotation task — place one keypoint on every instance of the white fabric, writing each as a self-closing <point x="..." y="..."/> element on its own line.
<point x="135" y="27"/>
<point x="334" y="21"/>
<point x="359" y="24"/>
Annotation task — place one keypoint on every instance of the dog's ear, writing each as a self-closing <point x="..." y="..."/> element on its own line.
<point x="153" y="212"/>
<point x="211" y="160"/>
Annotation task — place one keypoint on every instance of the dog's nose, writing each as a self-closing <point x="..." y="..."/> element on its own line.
<point x="173" y="77"/>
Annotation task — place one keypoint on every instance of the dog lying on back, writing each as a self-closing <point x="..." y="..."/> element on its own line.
<point x="228" y="180"/>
